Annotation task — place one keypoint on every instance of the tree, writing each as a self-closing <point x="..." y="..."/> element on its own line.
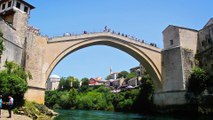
<point x="62" y="83"/>
<point x="68" y="83"/>
<point x="75" y="83"/>
<point x="196" y="85"/>
<point x="13" y="81"/>
<point x="144" y="101"/>
<point x="123" y="74"/>
<point x="197" y="81"/>
<point x="131" y="75"/>
<point x="85" y="81"/>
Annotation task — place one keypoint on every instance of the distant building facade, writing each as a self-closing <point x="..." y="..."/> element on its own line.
<point x="96" y="81"/>
<point x="53" y="82"/>
<point x="138" y="70"/>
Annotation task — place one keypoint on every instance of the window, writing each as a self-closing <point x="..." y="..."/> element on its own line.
<point x="9" y="4"/>
<point x="209" y="41"/>
<point x="18" y="5"/>
<point x="3" y="6"/>
<point x="171" y="42"/>
<point x="26" y="9"/>
<point x="203" y="43"/>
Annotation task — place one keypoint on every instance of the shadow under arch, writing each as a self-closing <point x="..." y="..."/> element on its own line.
<point x="136" y="53"/>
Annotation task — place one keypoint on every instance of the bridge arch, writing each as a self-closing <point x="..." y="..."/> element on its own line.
<point x="68" y="46"/>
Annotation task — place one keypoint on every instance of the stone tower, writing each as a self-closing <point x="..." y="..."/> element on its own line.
<point x="14" y="16"/>
<point x="15" y="13"/>
<point x="180" y="46"/>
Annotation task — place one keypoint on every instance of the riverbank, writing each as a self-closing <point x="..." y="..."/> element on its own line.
<point x="5" y="114"/>
<point x="35" y="111"/>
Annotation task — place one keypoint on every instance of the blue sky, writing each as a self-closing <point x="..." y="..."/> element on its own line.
<point x="144" y="19"/>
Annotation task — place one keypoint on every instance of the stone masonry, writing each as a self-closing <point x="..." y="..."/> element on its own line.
<point x="169" y="67"/>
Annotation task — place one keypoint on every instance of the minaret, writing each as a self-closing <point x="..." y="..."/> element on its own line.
<point x="110" y="70"/>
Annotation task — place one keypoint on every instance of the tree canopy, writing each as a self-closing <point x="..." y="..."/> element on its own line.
<point x="13" y="81"/>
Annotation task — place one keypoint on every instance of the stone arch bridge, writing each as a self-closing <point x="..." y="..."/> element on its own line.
<point x="43" y="54"/>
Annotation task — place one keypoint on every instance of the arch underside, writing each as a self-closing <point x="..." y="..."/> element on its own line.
<point x="138" y="54"/>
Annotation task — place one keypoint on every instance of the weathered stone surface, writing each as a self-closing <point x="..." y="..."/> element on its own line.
<point x="170" y="98"/>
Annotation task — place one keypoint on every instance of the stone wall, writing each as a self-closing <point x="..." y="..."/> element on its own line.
<point x="35" y="52"/>
<point x="205" y="49"/>
<point x="170" y="98"/>
<point x="34" y="56"/>
<point x="188" y="39"/>
<point x="13" y="49"/>
<point x="172" y="69"/>
<point x="36" y="95"/>
<point x="188" y="63"/>
<point x="21" y="27"/>
<point x="171" y="33"/>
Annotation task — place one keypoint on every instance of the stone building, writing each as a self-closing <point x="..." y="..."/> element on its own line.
<point x="14" y="16"/>
<point x="53" y="82"/>
<point x="177" y="62"/>
<point x="19" y="40"/>
<point x="138" y="70"/>
<point x="205" y="47"/>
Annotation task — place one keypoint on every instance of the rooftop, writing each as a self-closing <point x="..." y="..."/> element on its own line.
<point x="210" y="22"/>
<point x="180" y="27"/>
<point x="54" y="76"/>
<point x="22" y="1"/>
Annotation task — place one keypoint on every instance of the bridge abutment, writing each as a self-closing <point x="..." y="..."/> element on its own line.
<point x="35" y="95"/>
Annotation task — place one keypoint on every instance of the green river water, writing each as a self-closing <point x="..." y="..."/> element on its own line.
<point x="107" y="115"/>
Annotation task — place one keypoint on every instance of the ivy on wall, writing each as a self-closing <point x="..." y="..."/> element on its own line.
<point x="1" y="43"/>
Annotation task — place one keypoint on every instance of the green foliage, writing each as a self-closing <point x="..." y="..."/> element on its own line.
<point x="68" y="83"/>
<point x="103" y="89"/>
<point x="85" y="81"/>
<point x="131" y="75"/>
<point x="1" y="34"/>
<point x="13" y="81"/>
<point x="2" y="48"/>
<point x="197" y="81"/>
<point x="123" y="74"/>
<point x="144" y="100"/>
<point x="34" y="110"/>
<point x="101" y="98"/>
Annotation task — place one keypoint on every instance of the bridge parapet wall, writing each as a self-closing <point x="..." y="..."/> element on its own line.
<point x="90" y="36"/>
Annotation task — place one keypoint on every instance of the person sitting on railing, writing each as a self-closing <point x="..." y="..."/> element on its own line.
<point x="142" y="41"/>
<point x="105" y="29"/>
<point x="85" y="32"/>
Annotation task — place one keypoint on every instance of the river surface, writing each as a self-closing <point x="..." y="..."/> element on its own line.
<point x="107" y="115"/>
